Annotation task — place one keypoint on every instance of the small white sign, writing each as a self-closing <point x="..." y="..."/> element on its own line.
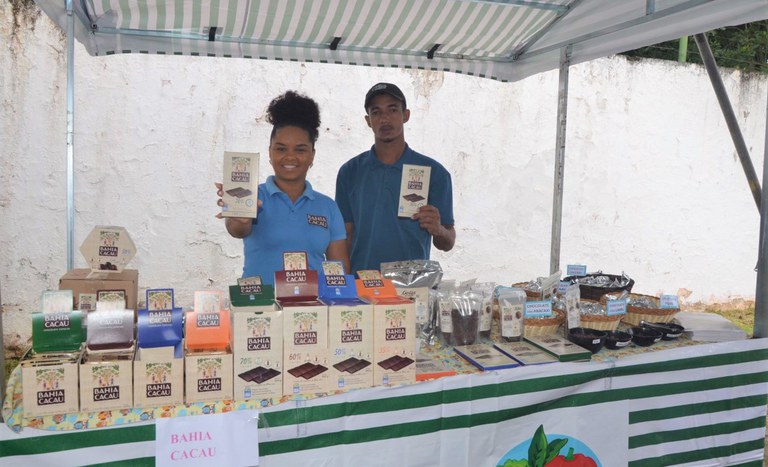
<point x="616" y="307"/>
<point x="669" y="301"/>
<point x="576" y="270"/>
<point x="562" y="287"/>
<point x="222" y="439"/>
<point x="538" y="309"/>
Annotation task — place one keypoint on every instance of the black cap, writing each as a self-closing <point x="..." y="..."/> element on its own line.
<point x="384" y="88"/>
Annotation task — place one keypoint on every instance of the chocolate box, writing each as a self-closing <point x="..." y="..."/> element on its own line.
<point x="257" y="344"/>
<point x="305" y="347"/>
<point x="50" y="383"/>
<point x="208" y="375"/>
<point x="106" y="380"/>
<point x="85" y="281"/>
<point x="394" y="332"/>
<point x="108" y="249"/>
<point x="350" y="343"/>
<point x="158" y="377"/>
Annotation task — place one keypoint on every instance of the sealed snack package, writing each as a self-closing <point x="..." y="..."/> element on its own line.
<point x="465" y="316"/>
<point x="511" y="304"/>
<point x="414" y="279"/>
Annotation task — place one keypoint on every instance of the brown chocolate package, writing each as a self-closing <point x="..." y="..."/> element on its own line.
<point x="404" y="362"/>
<point x="390" y="362"/>
<point x="413" y="197"/>
<point x="301" y="369"/>
<point x="346" y="364"/>
<point x="265" y="376"/>
<point x="358" y="366"/>
<point x="239" y="192"/>
<point x="252" y="373"/>
<point x="314" y="372"/>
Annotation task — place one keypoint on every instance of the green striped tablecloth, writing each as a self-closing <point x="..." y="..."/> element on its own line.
<point x="702" y="405"/>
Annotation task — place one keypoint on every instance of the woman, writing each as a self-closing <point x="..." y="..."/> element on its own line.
<point x="292" y="216"/>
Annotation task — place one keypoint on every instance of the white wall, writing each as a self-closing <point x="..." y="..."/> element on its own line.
<point x="653" y="185"/>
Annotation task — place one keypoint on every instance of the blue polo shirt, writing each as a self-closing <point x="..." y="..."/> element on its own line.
<point x="368" y="191"/>
<point x="310" y="224"/>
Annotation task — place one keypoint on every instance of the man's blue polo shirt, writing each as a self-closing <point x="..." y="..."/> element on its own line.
<point x="310" y="225"/>
<point x="368" y="191"/>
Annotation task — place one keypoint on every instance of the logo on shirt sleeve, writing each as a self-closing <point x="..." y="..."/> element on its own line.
<point x="320" y="221"/>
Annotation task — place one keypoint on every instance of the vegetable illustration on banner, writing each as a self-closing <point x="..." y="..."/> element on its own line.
<point x="545" y="451"/>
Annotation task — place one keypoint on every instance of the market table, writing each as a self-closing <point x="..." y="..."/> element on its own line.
<point x="680" y="404"/>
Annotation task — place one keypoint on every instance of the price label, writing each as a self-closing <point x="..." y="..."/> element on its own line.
<point x="669" y="301"/>
<point x="616" y="307"/>
<point x="538" y="309"/>
<point x="576" y="270"/>
<point x="562" y="287"/>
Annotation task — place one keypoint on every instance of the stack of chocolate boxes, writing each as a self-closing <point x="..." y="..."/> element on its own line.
<point x="350" y="329"/>
<point x="208" y="357"/>
<point x="257" y="341"/>
<point x="106" y="369"/>
<point x="305" y="328"/>
<point x="49" y="368"/>
<point x="158" y="369"/>
<point x="394" y="329"/>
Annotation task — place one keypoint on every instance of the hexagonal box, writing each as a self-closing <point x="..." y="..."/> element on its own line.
<point x="108" y="249"/>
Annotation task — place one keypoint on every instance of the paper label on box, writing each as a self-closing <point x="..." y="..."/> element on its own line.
<point x="414" y="189"/>
<point x="240" y="185"/>
<point x="57" y="301"/>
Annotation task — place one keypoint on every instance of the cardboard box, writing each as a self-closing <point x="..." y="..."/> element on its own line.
<point x="394" y="332"/>
<point x="208" y="375"/>
<point x="85" y="281"/>
<point x="106" y="381"/>
<point x="158" y="377"/>
<point x="240" y="184"/>
<point x="108" y="249"/>
<point x="350" y="343"/>
<point x="50" y="383"/>
<point x="258" y="348"/>
<point x="305" y="347"/>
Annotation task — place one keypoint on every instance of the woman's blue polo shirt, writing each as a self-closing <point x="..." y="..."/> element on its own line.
<point x="310" y="224"/>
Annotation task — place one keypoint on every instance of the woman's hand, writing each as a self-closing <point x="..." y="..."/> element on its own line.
<point x="238" y="227"/>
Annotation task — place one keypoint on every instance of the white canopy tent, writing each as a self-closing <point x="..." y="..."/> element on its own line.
<point x="505" y="40"/>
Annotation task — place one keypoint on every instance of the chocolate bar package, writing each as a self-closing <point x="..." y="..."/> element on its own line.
<point x="414" y="189"/>
<point x="350" y="343"/>
<point x="240" y="184"/>
<point x="257" y="342"/>
<point x="305" y="348"/>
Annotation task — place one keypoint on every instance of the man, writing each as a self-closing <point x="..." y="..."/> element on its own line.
<point x="368" y="191"/>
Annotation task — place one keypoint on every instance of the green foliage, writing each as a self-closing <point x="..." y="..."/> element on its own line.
<point x="744" y="47"/>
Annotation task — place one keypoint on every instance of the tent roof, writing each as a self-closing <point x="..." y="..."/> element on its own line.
<point x="505" y="40"/>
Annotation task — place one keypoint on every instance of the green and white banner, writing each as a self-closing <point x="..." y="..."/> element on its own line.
<point x="695" y="405"/>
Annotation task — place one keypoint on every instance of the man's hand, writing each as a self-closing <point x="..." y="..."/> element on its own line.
<point x="443" y="236"/>
<point x="429" y="219"/>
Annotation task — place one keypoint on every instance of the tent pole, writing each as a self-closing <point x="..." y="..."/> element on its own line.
<point x="557" y="197"/>
<point x="730" y="116"/>
<point x="70" y="135"/>
<point x="761" y="293"/>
